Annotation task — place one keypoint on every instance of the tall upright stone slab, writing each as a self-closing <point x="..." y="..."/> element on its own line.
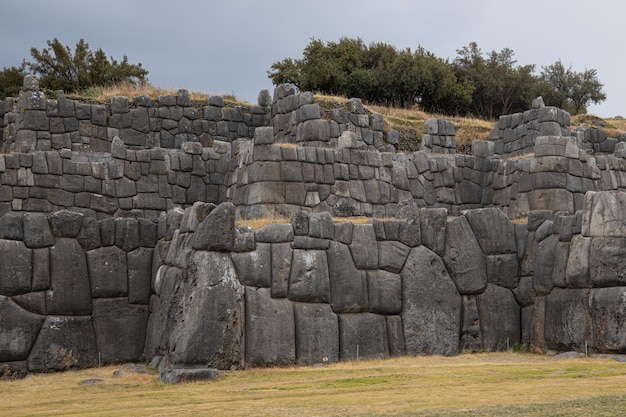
<point x="15" y="267"/>
<point x="70" y="290"/>
<point x="607" y="307"/>
<point x="464" y="258"/>
<point x="270" y="330"/>
<point x="317" y="333"/>
<point x="209" y="314"/>
<point x="431" y="305"/>
<point x="500" y="319"/>
<point x="348" y="286"/>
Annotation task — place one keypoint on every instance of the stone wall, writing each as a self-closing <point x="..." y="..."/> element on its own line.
<point x="123" y="182"/>
<point x="314" y="290"/>
<point x="515" y="134"/>
<point x="438" y="136"/>
<point x="122" y="229"/>
<point x="33" y="122"/>
<point x="74" y="291"/>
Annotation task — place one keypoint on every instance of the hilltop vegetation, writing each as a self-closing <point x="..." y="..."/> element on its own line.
<point x="475" y="83"/>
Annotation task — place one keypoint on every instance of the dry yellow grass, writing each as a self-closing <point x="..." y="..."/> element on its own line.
<point x="410" y="122"/>
<point x="256" y="224"/>
<point x="428" y="385"/>
<point x="130" y="90"/>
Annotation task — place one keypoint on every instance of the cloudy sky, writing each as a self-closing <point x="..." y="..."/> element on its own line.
<point x="228" y="46"/>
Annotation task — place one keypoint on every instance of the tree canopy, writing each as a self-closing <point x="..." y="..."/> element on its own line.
<point x="58" y="68"/>
<point x="474" y="83"/>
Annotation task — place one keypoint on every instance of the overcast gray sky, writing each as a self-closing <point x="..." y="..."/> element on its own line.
<point x="220" y="47"/>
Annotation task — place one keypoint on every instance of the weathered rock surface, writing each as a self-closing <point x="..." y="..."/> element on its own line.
<point x="64" y="342"/>
<point x="270" y="331"/>
<point x="464" y="258"/>
<point x="431" y="305"/>
<point x="567" y="318"/>
<point x="308" y="281"/>
<point x="208" y="323"/>
<point x="362" y="336"/>
<point x="607" y="307"/>
<point x="499" y="316"/>
<point x="348" y="286"/>
<point x="317" y="333"/>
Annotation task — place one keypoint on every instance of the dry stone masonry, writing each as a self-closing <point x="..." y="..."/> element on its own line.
<point x="124" y="238"/>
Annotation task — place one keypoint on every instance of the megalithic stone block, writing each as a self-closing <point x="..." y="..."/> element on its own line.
<point x="317" y="333"/>
<point x="464" y="258"/>
<point x="18" y="330"/>
<point x="270" y="330"/>
<point x="217" y="231"/>
<point x="431" y="305"/>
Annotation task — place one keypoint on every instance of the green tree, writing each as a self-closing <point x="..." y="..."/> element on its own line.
<point x="11" y="80"/>
<point x="60" y="69"/>
<point x="500" y="86"/>
<point x="568" y="89"/>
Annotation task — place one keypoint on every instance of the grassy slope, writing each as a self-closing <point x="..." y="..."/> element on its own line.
<point x="494" y="384"/>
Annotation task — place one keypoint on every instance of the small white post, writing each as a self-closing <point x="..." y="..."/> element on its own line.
<point x="357" y="353"/>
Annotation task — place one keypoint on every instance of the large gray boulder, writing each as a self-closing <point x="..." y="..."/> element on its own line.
<point x="493" y="230"/>
<point x="392" y="255"/>
<point x="308" y="279"/>
<point x="567" y="318"/>
<point x="499" y="318"/>
<point x="433" y="226"/>
<point x="362" y="336"/>
<point x="431" y="305"/>
<point x="207" y="309"/>
<point x="64" y="342"/>
<point x="348" y="285"/>
<point x="604" y="215"/>
<point x="503" y="270"/>
<point x="317" y="333"/>
<point x="70" y="291"/>
<point x="364" y="247"/>
<point x="65" y="223"/>
<point x="608" y="317"/>
<point x="607" y="261"/>
<point x="464" y="258"/>
<point x="385" y="292"/>
<point x="270" y="329"/>
<point x="217" y="231"/>
<point x="16" y="267"/>
<point x="254" y="268"/>
<point x="107" y="272"/>
<point x="577" y="270"/>
<point x="37" y="231"/>
<point x="18" y="330"/>
<point x="120" y="329"/>
<point x="139" y="263"/>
